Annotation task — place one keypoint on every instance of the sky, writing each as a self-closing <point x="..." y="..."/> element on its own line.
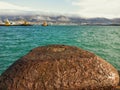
<point x="83" y="8"/>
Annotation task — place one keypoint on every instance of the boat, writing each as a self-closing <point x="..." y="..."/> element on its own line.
<point x="25" y="24"/>
<point x="7" y="23"/>
<point x="44" y="23"/>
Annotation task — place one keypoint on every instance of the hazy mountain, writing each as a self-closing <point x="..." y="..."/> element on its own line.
<point x="60" y="19"/>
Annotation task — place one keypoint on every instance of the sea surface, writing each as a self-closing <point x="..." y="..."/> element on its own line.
<point x="16" y="41"/>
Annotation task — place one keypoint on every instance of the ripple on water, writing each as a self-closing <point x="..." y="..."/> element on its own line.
<point x="17" y="41"/>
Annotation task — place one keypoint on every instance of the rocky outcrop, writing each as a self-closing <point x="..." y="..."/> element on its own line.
<point x="59" y="67"/>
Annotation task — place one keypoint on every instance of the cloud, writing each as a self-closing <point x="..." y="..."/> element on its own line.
<point x="83" y="8"/>
<point x="12" y="9"/>
<point x="98" y="8"/>
<point x="9" y="6"/>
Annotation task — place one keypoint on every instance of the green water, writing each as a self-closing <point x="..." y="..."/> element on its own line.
<point x="16" y="41"/>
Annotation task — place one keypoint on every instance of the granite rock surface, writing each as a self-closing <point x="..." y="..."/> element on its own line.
<point x="59" y="67"/>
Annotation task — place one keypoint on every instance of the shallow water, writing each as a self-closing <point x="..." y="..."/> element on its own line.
<point x="16" y="41"/>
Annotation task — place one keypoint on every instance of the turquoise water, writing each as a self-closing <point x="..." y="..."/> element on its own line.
<point x="16" y="41"/>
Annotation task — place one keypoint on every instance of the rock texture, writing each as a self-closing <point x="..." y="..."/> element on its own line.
<point x="118" y="87"/>
<point x="59" y="67"/>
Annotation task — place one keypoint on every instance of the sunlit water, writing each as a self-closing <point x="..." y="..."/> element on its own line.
<point x="16" y="41"/>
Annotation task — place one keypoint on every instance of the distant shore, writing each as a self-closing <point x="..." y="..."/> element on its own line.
<point x="60" y="20"/>
<point x="63" y="25"/>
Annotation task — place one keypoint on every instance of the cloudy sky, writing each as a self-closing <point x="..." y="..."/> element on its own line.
<point x="84" y="8"/>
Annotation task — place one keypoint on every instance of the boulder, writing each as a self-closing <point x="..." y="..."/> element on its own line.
<point x="59" y="67"/>
<point x="119" y="76"/>
<point x="118" y="87"/>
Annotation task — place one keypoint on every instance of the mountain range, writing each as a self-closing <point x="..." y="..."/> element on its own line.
<point x="61" y="19"/>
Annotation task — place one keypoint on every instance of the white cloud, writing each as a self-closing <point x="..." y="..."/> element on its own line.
<point x="9" y="6"/>
<point x="84" y="8"/>
<point x="12" y="9"/>
<point x="98" y="8"/>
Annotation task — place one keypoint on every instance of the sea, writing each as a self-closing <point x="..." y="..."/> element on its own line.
<point x="17" y="41"/>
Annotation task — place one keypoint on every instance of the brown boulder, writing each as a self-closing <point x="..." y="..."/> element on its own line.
<point x="119" y="76"/>
<point x="118" y="87"/>
<point x="59" y="67"/>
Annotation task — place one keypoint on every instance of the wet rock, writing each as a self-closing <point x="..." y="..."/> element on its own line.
<point x="59" y="67"/>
